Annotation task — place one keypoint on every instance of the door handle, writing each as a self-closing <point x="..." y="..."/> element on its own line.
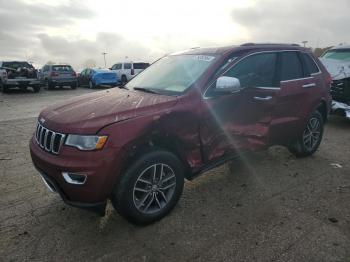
<point x="266" y="98"/>
<point x="309" y="85"/>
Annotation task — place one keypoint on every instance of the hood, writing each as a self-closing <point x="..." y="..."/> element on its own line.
<point x="87" y="114"/>
<point x="337" y="68"/>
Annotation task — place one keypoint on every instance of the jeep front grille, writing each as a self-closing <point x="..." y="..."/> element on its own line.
<point x="49" y="140"/>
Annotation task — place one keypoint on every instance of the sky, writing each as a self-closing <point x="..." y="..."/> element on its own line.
<point x="77" y="32"/>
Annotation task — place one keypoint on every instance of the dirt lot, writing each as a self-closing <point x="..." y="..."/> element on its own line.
<point x="267" y="206"/>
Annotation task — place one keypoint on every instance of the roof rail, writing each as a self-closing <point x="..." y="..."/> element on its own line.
<point x="257" y="44"/>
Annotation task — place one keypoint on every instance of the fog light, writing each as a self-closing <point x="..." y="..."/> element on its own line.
<point x="73" y="178"/>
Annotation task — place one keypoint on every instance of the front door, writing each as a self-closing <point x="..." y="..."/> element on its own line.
<point x="240" y="121"/>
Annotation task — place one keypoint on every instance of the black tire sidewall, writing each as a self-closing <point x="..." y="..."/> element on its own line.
<point x="299" y="148"/>
<point x="122" y="197"/>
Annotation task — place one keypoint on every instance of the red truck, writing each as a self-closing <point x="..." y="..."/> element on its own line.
<point x="185" y="114"/>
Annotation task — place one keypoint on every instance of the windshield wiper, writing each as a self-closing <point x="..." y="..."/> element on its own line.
<point x="147" y="90"/>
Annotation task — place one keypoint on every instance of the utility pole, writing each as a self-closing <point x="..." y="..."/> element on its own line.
<point x="304" y="42"/>
<point x="104" y="58"/>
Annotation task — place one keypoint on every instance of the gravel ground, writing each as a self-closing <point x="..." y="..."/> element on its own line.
<point x="266" y="206"/>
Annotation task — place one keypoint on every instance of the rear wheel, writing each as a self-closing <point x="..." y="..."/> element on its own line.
<point x="4" y="88"/>
<point x="36" y="89"/>
<point x="124" y="80"/>
<point x="91" y="85"/>
<point x="311" y="137"/>
<point x="150" y="188"/>
<point x="49" y="85"/>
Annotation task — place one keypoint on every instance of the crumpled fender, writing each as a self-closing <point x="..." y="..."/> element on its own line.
<point x="341" y="109"/>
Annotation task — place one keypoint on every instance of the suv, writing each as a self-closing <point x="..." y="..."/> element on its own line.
<point x="59" y="75"/>
<point x="18" y="74"/>
<point x="127" y="70"/>
<point x="337" y="62"/>
<point x="187" y="113"/>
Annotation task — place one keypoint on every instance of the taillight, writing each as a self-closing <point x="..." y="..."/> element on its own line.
<point x="74" y="74"/>
<point x="54" y="74"/>
<point x="132" y="71"/>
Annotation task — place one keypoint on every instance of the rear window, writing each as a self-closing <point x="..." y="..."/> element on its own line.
<point x="310" y="64"/>
<point x="16" y="65"/>
<point x="141" y="65"/>
<point x="291" y="66"/>
<point x="62" y="68"/>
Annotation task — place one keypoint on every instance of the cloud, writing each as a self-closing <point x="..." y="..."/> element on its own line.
<point x="320" y="22"/>
<point x="21" y="23"/>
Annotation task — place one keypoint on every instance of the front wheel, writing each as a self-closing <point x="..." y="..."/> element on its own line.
<point x="311" y="137"/>
<point x="150" y="187"/>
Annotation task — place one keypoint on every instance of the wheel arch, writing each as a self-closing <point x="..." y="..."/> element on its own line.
<point x="156" y="142"/>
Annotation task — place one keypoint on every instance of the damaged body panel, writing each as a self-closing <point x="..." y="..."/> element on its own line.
<point x="16" y="74"/>
<point x="337" y="62"/>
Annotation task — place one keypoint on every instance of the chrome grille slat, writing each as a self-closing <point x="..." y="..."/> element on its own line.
<point x="49" y="140"/>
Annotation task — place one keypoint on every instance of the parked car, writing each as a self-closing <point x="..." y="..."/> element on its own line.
<point x="95" y="77"/>
<point x="18" y="74"/>
<point x="127" y="70"/>
<point x="59" y="75"/>
<point x="187" y="113"/>
<point x="337" y="62"/>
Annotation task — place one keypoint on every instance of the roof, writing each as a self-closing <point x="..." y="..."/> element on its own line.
<point x="234" y="48"/>
<point x="340" y="47"/>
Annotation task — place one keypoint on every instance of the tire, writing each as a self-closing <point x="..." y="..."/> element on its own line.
<point x="310" y="139"/>
<point x="74" y="86"/>
<point x="4" y="88"/>
<point x="36" y="89"/>
<point x="49" y="85"/>
<point x="143" y="202"/>
<point x="91" y="85"/>
<point x="124" y="80"/>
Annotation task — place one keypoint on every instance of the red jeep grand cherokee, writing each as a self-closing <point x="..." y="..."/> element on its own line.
<point x="183" y="115"/>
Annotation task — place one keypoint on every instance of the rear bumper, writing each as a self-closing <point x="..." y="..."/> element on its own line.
<point x="22" y="82"/>
<point x="64" y="81"/>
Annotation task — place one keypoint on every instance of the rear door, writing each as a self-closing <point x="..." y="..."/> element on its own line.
<point x="241" y="120"/>
<point x="294" y="99"/>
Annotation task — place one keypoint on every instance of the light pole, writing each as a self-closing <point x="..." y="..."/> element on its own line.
<point x="304" y="42"/>
<point x="104" y="58"/>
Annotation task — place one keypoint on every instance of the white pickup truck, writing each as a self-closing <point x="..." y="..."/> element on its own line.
<point x="18" y="74"/>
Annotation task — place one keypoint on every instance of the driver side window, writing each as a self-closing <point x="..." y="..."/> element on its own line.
<point x="258" y="70"/>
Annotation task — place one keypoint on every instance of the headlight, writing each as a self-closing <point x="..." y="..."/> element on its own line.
<point x="86" y="142"/>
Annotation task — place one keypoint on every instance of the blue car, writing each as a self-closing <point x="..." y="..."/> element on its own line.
<point x="97" y="77"/>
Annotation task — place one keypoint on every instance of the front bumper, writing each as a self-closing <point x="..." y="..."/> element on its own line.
<point x="101" y="169"/>
<point x="341" y="109"/>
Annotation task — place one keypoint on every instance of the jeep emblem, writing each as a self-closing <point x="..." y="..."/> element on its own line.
<point x="42" y="120"/>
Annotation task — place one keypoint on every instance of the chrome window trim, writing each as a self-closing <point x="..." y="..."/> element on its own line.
<point x="204" y="96"/>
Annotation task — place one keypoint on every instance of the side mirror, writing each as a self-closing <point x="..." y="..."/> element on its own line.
<point x="226" y="84"/>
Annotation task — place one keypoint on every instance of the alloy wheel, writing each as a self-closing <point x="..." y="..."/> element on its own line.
<point x="312" y="134"/>
<point x="154" y="188"/>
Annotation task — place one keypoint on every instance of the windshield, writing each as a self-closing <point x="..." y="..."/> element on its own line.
<point x="172" y="74"/>
<point x="338" y="54"/>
